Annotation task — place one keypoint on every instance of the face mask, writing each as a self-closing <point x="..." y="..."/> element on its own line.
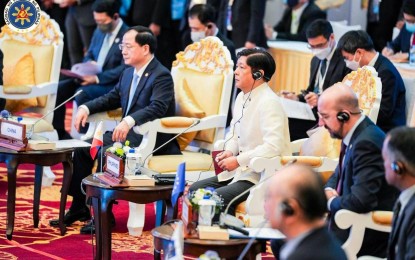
<point x="322" y="53"/>
<point x="105" y="28"/>
<point x="197" y="36"/>
<point x="291" y="3"/>
<point x="410" y="27"/>
<point x="352" y="64"/>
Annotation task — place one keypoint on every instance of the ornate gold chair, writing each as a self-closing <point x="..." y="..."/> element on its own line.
<point x="32" y="63"/>
<point x="319" y="151"/>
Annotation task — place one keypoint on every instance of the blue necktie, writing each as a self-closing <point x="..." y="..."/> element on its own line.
<point x="133" y="88"/>
<point x="104" y="50"/>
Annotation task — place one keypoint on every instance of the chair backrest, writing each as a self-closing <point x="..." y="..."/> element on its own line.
<point x="368" y="88"/>
<point x="32" y="60"/>
<point x="203" y="75"/>
<point x="339" y="28"/>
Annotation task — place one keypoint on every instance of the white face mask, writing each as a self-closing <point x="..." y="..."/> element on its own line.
<point x="322" y="53"/>
<point x="197" y="36"/>
<point x="352" y="64"/>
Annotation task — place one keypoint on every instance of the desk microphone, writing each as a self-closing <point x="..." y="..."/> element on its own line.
<point x="228" y="221"/>
<point x="30" y="132"/>
<point x="195" y="123"/>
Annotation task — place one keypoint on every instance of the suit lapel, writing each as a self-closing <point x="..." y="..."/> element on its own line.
<point x="114" y="46"/>
<point x="331" y="69"/>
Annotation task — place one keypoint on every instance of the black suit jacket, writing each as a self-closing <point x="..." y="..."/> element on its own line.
<point x="145" y="12"/>
<point x="403" y="235"/>
<point x="310" y="248"/>
<point x="154" y="98"/>
<point x="393" y="103"/>
<point x="364" y="186"/>
<point x="311" y="13"/>
<point x="247" y="22"/>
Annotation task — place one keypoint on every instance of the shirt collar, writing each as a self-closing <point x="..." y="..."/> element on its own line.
<point x="348" y="137"/>
<point x="141" y="71"/>
<point x="114" y="33"/>
<point x="405" y="196"/>
<point x="292" y="244"/>
<point x="373" y="61"/>
<point x="255" y="91"/>
<point x="299" y="11"/>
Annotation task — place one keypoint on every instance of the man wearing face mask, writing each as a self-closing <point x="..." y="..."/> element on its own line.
<point x="358" y="51"/>
<point x="298" y="15"/>
<point x="103" y="52"/>
<point x="406" y="37"/>
<point x="327" y="68"/>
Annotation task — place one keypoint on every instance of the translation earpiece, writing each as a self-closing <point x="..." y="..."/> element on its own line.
<point x="397" y="167"/>
<point x="343" y="116"/>
<point x="257" y="75"/>
<point x="209" y="26"/>
<point x="286" y="208"/>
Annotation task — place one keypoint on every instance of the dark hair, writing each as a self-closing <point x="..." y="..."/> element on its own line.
<point x="311" y="196"/>
<point x="205" y="13"/>
<point x="145" y="36"/>
<point x="110" y="7"/>
<point x="409" y="7"/>
<point x="402" y="144"/>
<point x="353" y="40"/>
<point x="319" y="27"/>
<point x="259" y="59"/>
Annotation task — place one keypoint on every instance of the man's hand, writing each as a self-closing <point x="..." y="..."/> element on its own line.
<point x="331" y="193"/>
<point x="120" y="132"/>
<point x="268" y="31"/>
<point x="387" y="52"/>
<point x="289" y="95"/>
<point x="155" y="28"/>
<point x="223" y="155"/>
<point x="229" y="163"/>
<point x="81" y="117"/>
<point x="88" y="80"/>
<point x="250" y="45"/>
<point x="47" y="4"/>
<point x="311" y="98"/>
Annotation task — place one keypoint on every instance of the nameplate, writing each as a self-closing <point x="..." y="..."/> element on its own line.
<point x="187" y="215"/>
<point x="13" y="130"/>
<point x="114" y="165"/>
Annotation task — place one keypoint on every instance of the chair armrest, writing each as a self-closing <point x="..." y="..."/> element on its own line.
<point x="382" y="217"/>
<point x="102" y="116"/>
<point x="296" y="145"/>
<point x="42" y="89"/>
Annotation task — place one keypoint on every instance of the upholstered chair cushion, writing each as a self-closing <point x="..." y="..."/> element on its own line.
<point x="177" y="121"/>
<point x="42" y="56"/>
<point x="321" y="144"/>
<point x="205" y="89"/>
<point x="194" y="162"/>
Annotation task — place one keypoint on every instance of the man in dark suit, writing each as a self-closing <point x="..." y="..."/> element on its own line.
<point x="2" y="100"/>
<point x="295" y="204"/>
<point x="327" y="68"/>
<point x="151" y="98"/>
<point x="358" y="183"/>
<point x="80" y="26"/>
<point x="358" y="50"/>
<point x="247" y="23"/>
<point x="298" y="15"/>
<point x="399" y="161"/>
<point x="105" y="53"/>
<point x="406" y="37"/>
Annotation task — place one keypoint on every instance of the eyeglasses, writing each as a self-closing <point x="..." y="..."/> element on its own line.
<point x="318" y="46"/>
<point x="124" y="46"/>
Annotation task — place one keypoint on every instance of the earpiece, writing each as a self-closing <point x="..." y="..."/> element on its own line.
<point x="209" y="26"/>
<point x="343" y="116"/>
<point x="257" y="75"/>
<point x="397" y="167"/>
<point x="286" y="208"/>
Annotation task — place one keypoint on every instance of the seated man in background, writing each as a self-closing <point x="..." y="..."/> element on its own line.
<point x="358" y="183"/>
<point x="358" y="50"/>
<point x="399" y="161"/>
<point x="296" y="205"/>
<point x="327" y="68"/>
<point x="144" y="92"/>
<point x="399" y="48"/>
<point x="259" y="128"/>
<point x="2" y="100"/>
<point x="298" y="15"/>
<point x="103" y="52"/>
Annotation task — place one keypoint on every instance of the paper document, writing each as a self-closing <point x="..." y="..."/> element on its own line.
<point x="71" y="143"/>
<point x="297" y="109"/>
<point x="263" y="233"/>
<point x="81" y="69"/>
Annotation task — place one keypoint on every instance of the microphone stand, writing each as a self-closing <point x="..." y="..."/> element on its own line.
<point x="229" y="221"/>
<point x="32" y="127"/>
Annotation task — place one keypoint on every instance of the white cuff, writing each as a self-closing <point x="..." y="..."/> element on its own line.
<point x="130" y="121"/>
<point x="274" y="35"/>
<point x="85" y="108"/>
<point x="329" y="202"/>
<point x="96" y="79"/>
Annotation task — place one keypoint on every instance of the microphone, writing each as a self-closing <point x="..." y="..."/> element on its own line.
<point x="30" y="132"/>
<point x="195" y="123"/>
<point x="229" y="221"/>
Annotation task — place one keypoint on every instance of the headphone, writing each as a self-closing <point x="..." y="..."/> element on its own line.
<point x="286" y="208"/>
<point x="209" y="26"/>
<point x="344" y="116"/>
<point x="257" y="75"/>
<point x="397" y="167"/>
